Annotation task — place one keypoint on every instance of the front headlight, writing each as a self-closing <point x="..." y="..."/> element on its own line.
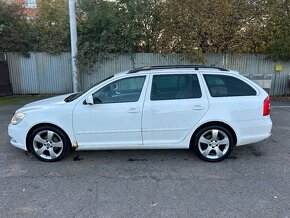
<point x="17" y="118"/>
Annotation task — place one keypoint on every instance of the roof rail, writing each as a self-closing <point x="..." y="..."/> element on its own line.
<point x="196" y="67"/>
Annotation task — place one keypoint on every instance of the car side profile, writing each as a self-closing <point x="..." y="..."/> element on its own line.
<point x="207" y="109"/>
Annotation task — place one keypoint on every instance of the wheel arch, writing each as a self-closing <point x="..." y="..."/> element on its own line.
<point x="213" y="123"/>
<point x="44" y="124"/>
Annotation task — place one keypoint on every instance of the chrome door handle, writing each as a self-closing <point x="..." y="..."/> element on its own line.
<point x="133" y="111"/>
<point x="198" y="108"/>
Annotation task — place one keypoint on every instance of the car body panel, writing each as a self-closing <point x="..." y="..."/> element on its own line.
<point x="115" y="125"/>
<point x="168" y="122"/>
<point x="154" y="124"/>
<point x="53" y="111"/>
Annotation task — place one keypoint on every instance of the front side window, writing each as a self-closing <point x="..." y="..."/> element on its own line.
<point x="227" y="86"/>
<point x="179" y="86"/>
<point x="120" y="91"/>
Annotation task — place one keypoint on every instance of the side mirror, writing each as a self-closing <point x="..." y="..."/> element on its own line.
<point x="89" y="100"/>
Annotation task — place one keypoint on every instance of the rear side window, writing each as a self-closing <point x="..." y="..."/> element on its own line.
<point x="227" y="86"/>
<point x="169" y="87"/>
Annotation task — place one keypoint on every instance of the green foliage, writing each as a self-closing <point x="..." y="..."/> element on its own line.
<point x="190" y="27"/>
<point x="98" y="31"/>
<point x="197" y="27"/>
<point x="51" y="26"/>
<point x="107" y="27"/>
<point x="279" y="45"/>
<point x="14" y="29"/>
<point x="140" y="24"/>
<point x="47" y="32"/>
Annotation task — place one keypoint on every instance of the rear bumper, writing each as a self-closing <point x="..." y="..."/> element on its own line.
<point x="253" y="131"/>
<point x="254" y="139"/>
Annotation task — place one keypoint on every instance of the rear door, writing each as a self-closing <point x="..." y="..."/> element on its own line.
<point x="174" y="103"/>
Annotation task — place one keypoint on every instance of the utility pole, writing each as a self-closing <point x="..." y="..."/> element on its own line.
<point x="73" y="38"/>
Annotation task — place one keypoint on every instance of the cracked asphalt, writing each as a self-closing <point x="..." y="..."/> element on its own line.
<point x="253" y="182"/>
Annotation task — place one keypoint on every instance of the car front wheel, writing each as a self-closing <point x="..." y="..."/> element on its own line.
<point x="48" y="143"/>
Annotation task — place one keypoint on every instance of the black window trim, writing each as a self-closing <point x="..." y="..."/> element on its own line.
<point x="229" y="96"/>
<point x="178" y="74"/>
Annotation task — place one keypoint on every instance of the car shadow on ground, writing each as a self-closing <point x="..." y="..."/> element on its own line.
<point x="154" y="155"/>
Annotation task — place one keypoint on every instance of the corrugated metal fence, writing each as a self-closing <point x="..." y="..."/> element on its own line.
<point x="42" y="73"/>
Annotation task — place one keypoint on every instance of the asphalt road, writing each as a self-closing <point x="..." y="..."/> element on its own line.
<point x="253" y="182"/>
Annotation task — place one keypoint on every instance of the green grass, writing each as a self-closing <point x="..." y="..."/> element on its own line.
<point x="21" y="99"/>
<point x="280" y="97"/>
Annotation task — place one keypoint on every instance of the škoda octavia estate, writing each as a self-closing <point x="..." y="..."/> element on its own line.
<point x="208" y="109"/>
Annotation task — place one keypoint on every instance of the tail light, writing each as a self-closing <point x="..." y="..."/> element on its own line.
<point x="266" y="108"/>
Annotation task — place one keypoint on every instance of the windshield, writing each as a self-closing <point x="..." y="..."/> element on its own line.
<point x="74" y="96"/>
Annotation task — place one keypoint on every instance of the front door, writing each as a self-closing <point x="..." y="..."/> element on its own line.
<point x="114" y="120"/>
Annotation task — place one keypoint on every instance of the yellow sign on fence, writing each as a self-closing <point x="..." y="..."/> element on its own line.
<point x="278" y="68"/>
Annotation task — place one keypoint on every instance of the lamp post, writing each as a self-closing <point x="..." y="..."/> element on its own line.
<point x="73" y="37"/>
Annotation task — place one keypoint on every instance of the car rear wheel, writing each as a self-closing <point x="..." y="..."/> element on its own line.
<point x="213" y="143"/>
<point x="49" y="144"/>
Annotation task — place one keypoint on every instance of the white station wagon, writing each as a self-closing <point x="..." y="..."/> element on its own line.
<point x="208" y="109"/>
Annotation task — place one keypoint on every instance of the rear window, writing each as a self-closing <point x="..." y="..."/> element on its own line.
<point x="227" y="86"/>
<point x="169" y="87"/>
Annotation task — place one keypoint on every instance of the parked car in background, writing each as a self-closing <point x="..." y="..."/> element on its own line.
<point x="208" y="109"/>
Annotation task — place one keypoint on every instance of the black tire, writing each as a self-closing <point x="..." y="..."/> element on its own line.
<point x="57" y="138"/>
<point x="212" y="155"/>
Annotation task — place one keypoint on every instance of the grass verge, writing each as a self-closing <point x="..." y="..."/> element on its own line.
<point x="21" y="99"/>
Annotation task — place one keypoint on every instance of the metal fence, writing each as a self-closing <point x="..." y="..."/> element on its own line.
<point x="41" y="73"/>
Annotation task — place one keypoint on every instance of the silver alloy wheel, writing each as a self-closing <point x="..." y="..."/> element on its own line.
<point x="213" y="144"/>
<point x="47" y="144"/>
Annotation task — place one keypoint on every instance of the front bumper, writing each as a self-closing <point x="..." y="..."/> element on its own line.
<point x="18" y="134"/>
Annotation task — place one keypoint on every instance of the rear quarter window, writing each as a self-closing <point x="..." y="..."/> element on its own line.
<point x="227" y="86"/>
